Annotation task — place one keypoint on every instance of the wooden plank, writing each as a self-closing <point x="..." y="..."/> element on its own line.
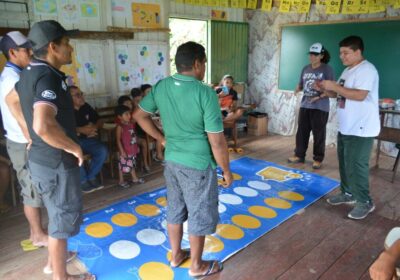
<point x="353" y="263"/>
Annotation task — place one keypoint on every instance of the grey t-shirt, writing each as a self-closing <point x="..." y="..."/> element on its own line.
<point x="307" y="80"/>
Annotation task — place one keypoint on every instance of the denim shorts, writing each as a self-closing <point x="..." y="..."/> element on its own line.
<point x="192" y="195"/>
<point x="61" y="194"/>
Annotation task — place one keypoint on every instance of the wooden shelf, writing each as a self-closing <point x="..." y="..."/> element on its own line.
<point x="88" y="35"/>
<point x="127" y="29"/>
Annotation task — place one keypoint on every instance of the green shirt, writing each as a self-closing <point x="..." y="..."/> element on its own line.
<point x="189" y="110"/>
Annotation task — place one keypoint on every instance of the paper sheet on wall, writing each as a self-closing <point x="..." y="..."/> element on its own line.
<point x="45" y="7"/>
<point x="146" y="15"/>
<point x="69" y="10"/>
<point x="121" y="8"/>
<point x="91" y="67"/>
<point x="139" y="64"/>
<point x="89" y="9"/>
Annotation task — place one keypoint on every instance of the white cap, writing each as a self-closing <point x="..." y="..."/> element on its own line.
<point x="317" y="48"/>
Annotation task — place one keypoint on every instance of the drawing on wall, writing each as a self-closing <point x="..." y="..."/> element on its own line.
<point x="45" y="7"/>
<point x="91" y="74"/>
<point x="71" y="71"/>
<point x="89" y="9"/>
<point x="139" y="64"/>
<point x="146" y="15"/>
<point x="120" y="8"/>
<point x="69" y="10"/>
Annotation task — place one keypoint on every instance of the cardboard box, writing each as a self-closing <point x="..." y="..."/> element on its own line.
<point x="257" y="124"/>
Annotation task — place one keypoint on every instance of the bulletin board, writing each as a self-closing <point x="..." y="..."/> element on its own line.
<point x="140" y="63"/>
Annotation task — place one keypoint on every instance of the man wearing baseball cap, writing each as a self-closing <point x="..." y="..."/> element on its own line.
<point x="55" y="154"/>
<point x="17" y="50"/>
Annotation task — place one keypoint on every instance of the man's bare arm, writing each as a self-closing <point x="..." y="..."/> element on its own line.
<point x="47" y="128"/>
<point x="12" y="101"/>
<point x="146" y="123"/>
<point x="220" y="151"/>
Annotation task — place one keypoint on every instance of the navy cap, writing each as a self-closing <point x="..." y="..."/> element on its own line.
<point x="46" y="31"/>
<point x="14" y="40"/>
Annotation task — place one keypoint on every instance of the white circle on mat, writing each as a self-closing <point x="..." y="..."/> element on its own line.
<point x="124" y="249"/>
<point x="230" y="199"/>
<point x="244" y="191"/>
<point x="164" y="224"/>
<point x="150" y="236"/>
<point x="221" y="208"/>
<point x="259" y="185"/>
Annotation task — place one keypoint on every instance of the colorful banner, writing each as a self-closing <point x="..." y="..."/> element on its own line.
<point x="218" y="15"/>
<point x="128" y="240"/>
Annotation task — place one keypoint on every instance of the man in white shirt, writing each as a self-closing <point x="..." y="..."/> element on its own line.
<point x="358" y="114"/>
<point x="17" y="50"/>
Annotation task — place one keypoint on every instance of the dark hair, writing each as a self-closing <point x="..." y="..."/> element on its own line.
<point x="6" y="54"/>
<point x="144" y="87"/>
<point x="69" y="88"/>
<point x="122" y="99"/>
<point x="353" y="42"/>
<point x="326" y="56"/>
<point x="43" y="51"/>
<point x="187" y="54"/>
<point x="136" y="92"/>
<point x="121" y="109"/>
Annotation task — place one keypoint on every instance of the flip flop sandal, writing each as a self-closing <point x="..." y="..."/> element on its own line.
<point x="84" y="276"/>
<point x="138" y="181"/>
<point x="239" y="150"/>
<point x="231" y="150"/>
<point x="27" y="245"/>
<point x="124" y="185"/>
<point x="185" y="258"/>
<point x="71" y="255"/>
<point x="210" y="270"/>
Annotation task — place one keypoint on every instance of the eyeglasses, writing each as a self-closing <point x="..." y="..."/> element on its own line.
<point x="78" y="94"/>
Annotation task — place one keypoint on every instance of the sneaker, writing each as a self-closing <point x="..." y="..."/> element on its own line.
<point x="295" y="159"/>
<point x="316" y="164"/>
<point x="86" y="187"/>
<point x="361" y="210"/>
<point x="96" y="184"/>
<point x="341" y="198"/>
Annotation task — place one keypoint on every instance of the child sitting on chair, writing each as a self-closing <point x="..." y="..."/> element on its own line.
<point x="227" y="99"/>
<point x="127" y="146"/>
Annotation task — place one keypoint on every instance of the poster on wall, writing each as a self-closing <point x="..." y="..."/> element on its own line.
<point x="45" y="7"/>
<point x="121" y="8"/>
<point x="91" y="67"/>
<point x="69" y="10"/>
<point x="146" y="15"/>
<point x="89" y="9"/>
<point x="140" y="63"/>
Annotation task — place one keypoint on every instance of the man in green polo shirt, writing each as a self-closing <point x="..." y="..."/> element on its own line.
<point x="195" y="143"/>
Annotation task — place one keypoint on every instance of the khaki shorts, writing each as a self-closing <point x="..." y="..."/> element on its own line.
<point x="62" y="196"/>
<point x="18" y="156"/>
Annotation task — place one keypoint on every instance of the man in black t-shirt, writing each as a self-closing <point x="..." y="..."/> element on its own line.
<point x="87" y="126"/>
<point x="55" y="155"/>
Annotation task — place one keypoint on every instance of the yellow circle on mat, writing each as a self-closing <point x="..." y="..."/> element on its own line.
<point x="294" y="196"/>
<point x="162" y="201"/>
<point x="124" y="219"/>
<point x="99" y="230"/>
<point x="155" y="270"/>
<point x="147" y="210"/>
<point x="185" y="264"/>
<point x="220" y="181"/>
<point x="262" y="212"/>
<point x="246" y="221"/>
<point x="213" y="244"/>
<point x="229" y="231"/>
<point x="277" y="203"/>
<point x="236" y="176"/>
<point x="295" y="176"/>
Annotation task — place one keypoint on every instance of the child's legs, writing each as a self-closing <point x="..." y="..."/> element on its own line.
<point x="144" y="151"/>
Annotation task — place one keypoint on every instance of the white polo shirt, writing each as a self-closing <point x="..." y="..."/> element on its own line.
<point x="8" y="79"/>
<point x="360" y="118"/>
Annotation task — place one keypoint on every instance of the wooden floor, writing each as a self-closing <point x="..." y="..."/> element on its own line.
<point x="318" y="243"/>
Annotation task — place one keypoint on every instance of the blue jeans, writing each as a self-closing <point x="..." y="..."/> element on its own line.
<point x="98" y="153"/>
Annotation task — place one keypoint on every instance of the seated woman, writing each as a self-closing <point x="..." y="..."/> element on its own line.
<point x="227" y="100"/>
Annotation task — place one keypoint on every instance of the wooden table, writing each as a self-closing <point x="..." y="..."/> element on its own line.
<point x="390" y="134"/>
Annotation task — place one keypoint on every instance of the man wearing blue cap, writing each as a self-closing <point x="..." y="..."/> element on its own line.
<point x="55" y="155"/>
<point x="17" y="50"/>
